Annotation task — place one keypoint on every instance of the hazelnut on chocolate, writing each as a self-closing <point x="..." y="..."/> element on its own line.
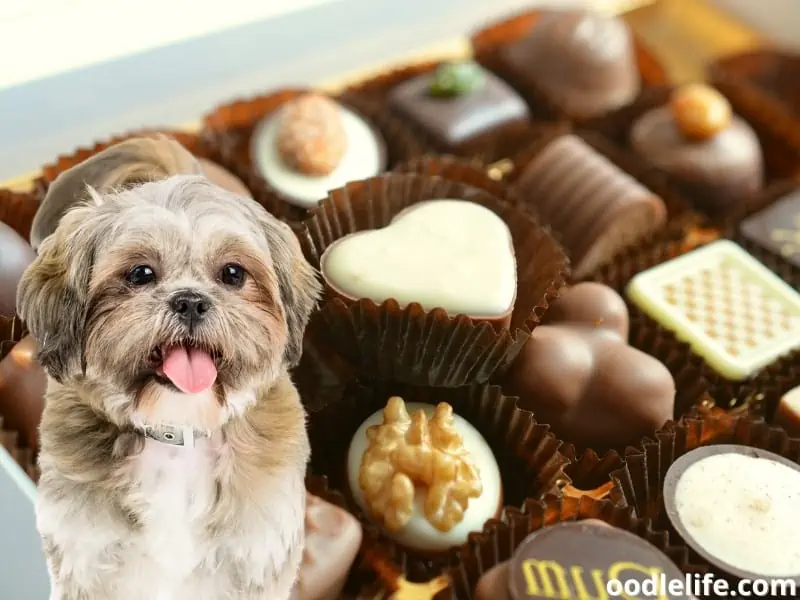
<point x="311" y="137"/>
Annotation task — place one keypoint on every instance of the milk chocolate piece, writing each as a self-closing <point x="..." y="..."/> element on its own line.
<point x="736" y="507"/>
<point x="577" y="560"/>
<point x="15" y="256"/>
<point x="223" y="178"/>
<point x="595" y="208"/>
<point x="713" y="155"/>
<point x="583" y="62"/>
<point x="777" y="228"/>
<point x="787" y="414"/>
<point x="467" y="113"/>
<point x="333" y="537"/>
<point x="578" y="373"/>
<point x="22" y="386"/>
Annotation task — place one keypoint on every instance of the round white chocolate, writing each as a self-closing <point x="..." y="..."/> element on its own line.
<point x="362" y="159"/>
<point x="418" y="532"/>
<point x="450" y="254"/>
<point x="742" y="510"/>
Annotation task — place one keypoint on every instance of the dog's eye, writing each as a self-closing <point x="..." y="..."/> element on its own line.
<point x="232" y="275"/>
<point x="141" y="275"/>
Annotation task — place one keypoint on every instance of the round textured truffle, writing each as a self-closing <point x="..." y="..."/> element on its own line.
<point x="359" y="154"/>
<point x="419" y="533"/>
<point x="736" y="506"/>
<point x="715" y="155"/>
<point x="583" y="61"/>
<point x="15" y="256"/>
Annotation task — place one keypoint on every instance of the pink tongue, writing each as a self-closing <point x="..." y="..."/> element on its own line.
<point x="191" y="371"/>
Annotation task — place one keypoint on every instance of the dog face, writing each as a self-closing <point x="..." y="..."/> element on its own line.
<point x="181" y="299"/>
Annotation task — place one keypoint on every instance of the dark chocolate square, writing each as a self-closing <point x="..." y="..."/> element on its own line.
<point x="452" y="122"/>
<point x="777" y="228"/>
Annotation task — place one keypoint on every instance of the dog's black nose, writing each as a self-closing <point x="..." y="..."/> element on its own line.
<point x="191" y="307"/>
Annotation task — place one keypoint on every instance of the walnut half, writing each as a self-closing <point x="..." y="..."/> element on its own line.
<point x="409" y="451"/>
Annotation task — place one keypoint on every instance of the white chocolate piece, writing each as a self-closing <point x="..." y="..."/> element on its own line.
<point x="449" y="254"/>
<point x="362" y="159"/>
<point x="743" y="510"/>
<point x="419" y="533"/>
<point x="732" y="310"/>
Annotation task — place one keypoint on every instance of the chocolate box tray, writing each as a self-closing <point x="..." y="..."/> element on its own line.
<point x="659" y="24"/>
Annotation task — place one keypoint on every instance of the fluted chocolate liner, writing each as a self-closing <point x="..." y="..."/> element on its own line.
<point x="430" y="347"/>
<point x="501" y="538"/>
<point x="762" y="86"/>
<point x="50" y="171"/>
<point x="17" y="210"/>
<point x="490" y="42"/>
<point x="641" y="478"/>
<point x="526" y="452"/>
<point x="230" y="127"/>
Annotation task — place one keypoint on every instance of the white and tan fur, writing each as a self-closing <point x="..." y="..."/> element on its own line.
<point x="126" y="517"/>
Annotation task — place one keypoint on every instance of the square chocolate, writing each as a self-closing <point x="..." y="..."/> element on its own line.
<point x="455" y="119"/>
<point x="777" y="228"/>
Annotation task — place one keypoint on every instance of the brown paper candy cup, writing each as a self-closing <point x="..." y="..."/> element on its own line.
<point x="527" y="453"/>
<point x="489" y="45"/>
<point x="641" y="478"/>
<point x="501" y="538"/>
<point x="429" y="347"/>
<point x="50" y="171"/>
<point x="229" y="131"/>
<point x="17" y="210"/>
<point x="762" y="86"/>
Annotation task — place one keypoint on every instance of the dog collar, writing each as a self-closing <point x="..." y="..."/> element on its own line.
<point x="185" y="437"/>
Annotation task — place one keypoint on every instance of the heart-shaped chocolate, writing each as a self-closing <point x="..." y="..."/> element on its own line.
<point x="579" y="374"/>
<point x="450" y="254"/>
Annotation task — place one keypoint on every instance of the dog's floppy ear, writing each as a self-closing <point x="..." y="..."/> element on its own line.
<point x="297" y="282"/>
<point x="130" y="162"/>
<point x="52" y="296"/>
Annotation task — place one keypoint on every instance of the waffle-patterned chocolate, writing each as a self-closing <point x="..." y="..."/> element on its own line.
<point x="735" y="313"/>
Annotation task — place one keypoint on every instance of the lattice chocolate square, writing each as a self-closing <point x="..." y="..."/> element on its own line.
<point x="732" y="310"/>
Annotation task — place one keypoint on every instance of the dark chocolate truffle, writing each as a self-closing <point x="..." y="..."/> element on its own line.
<point x="594" y="208"/>
<point x="578" y="560"/>
<point x="578" y="374"/>
<point x="736" y="506"/>
<point x="458" y="103"/>
<point x="583" y="62"/>
<point x="714" y="155"/>
<point x="777" y="228"/>
<point x="15" y="256"/>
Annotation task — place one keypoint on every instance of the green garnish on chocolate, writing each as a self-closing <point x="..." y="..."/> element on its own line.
<point x="453" y="79"/>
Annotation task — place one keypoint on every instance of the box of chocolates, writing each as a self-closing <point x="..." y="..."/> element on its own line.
<point x="539" y="303"/>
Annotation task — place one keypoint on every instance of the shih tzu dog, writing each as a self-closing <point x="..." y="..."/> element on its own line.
<point x="167" y="311"/>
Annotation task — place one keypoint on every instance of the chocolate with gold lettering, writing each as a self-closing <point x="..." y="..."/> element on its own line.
<point x="594" y="207"/>
<point x="458" y="103"/>
<point x="710" y="152"/>
<point x="736" y="506"/>
<point x="777" y="228"/>
<point x="582" y="61"/>
<point x="15" y="256"/>
<point x="578" y="373"/>
<point x="578" y="560"/>
<point x="425" y="474"/>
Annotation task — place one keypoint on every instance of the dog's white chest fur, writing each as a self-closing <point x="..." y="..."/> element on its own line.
<point x="177" y="491"/>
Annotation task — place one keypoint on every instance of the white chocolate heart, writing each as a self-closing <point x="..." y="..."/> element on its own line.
<point x="450" y="254"/>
